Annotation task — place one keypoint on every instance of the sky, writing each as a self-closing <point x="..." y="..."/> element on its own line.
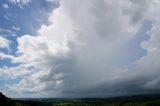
<point x="79" y="48"/>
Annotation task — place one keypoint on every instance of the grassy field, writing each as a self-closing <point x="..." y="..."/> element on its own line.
<point x="94" y="103"/>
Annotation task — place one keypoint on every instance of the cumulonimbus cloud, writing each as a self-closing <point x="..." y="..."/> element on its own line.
<point x="76" y="54"/>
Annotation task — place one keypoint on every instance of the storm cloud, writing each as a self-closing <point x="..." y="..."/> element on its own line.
<point x="86" y="50"/>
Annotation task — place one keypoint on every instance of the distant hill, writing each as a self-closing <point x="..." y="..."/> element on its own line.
<point x="2" y="97"/>
<point x="139" y="100"/>
<point x="4" y="101"/>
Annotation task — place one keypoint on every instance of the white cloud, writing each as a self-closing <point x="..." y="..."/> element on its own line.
<point x="52" y="0"/>
<point x="14" y="72"/>
<point x="5" y="6"/>
<point x="4" y="43"/>
<point x="7" y="32"/>
<point x="5" y="56"/>
<point x="16" y="28"/>
<point x="9" y="17"/>
<point x="75" y="55"/>
<point x="20" y="3"/>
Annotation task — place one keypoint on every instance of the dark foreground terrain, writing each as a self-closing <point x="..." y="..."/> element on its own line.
<point x="143" y="100"/>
